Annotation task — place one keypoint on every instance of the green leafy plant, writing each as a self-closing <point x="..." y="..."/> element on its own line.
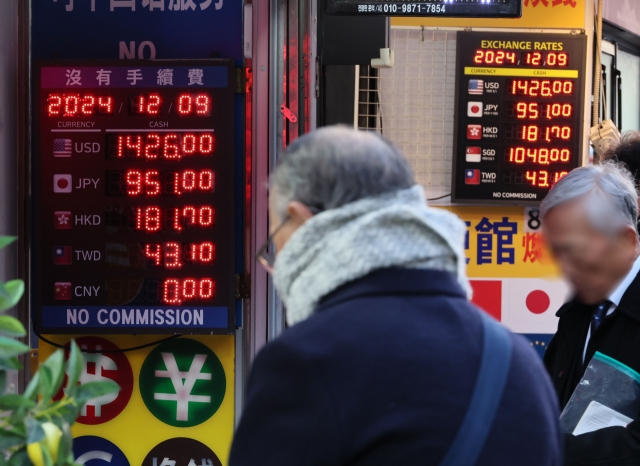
<point x="35" y="428"/>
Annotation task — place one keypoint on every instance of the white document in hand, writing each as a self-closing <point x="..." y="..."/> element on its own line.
<point x="598" y="416"/>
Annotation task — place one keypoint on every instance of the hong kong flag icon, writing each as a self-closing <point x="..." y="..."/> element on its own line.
<point x="62" y="220"/>
<point x="474" y="131"/>
<point x="62" y="291"/>
<point x="62" y="183"/>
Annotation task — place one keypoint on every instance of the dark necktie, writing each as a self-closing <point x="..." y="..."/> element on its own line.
<point x="598" y="314"/>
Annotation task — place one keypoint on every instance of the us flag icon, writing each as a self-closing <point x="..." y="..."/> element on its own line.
<point x="476" y="86"/>
<point x="62" y="291"/>
<point x="62" y="147"/>
<point x="472" y="176"/>
<point x="62" y="255"/>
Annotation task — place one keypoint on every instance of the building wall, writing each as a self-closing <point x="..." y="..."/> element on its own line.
<point x="624" y="13"/>
<point x="9" y="201"/>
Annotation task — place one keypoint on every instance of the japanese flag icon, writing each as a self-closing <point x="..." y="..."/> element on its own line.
<point x="62" y="183"/>
<point x="474" y="109"/>
<point x="529" y="305"/>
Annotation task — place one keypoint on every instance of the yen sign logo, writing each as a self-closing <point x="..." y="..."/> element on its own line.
<point x="182" y="382"/>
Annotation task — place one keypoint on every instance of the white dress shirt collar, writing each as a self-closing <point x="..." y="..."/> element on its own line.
<point x="619" y="291"/>
<point x="615" y="298"/>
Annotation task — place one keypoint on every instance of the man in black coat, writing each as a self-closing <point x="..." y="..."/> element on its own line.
<point x="589" y="221"/>
<point x="384" y="349"/>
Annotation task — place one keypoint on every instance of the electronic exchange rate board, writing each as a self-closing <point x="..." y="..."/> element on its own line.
<point x="133" y="200"/>
<point x="518" y="115"/>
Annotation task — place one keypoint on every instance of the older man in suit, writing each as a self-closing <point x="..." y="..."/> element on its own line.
<point x="589" y="221"/>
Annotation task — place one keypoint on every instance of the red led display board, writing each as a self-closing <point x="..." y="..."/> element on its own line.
<point x="133" y="199"/>
<point x="519" y="115"/>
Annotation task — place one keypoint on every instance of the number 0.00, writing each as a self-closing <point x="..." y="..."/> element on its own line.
<point x="177" y="290"/>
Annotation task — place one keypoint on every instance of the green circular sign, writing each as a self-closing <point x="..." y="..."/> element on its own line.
<point x="182" y="382"/>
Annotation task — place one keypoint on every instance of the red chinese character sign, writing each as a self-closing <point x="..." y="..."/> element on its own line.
<point x="519" y="115"/>
<point x="135" y="163"/>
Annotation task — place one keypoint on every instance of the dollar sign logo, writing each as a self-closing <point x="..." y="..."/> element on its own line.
<point x="94" y="366"/>
<point x="103" y="361"/>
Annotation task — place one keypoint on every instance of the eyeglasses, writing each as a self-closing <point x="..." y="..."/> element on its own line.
<point x="268" y="258"/>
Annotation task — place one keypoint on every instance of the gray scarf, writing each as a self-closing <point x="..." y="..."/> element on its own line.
<point x="340" y="245"/>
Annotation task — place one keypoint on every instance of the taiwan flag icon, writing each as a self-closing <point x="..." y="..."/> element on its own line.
<point x="474" y="131"/>
<point x="62" y="255"/>
<point x="62" y="291"/>
<point x="472" y="176"/>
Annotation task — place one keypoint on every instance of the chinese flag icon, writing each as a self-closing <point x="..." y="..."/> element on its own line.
<point x="62" y="220"/>
<point x="474" y="131"/>
<point x="62" y="255"/>
<point x="62" y="291"/>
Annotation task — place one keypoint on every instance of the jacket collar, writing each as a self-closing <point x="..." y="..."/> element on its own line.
<point x="629" y="304"/>
<point x="396" y="281"/>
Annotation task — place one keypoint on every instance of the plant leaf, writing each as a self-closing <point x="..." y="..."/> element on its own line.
<point x="3" y="381"/>
<point x="11" y="364"/>
<point x="55" y="363"/>
<point x="13" y="401"/>
<point x="11" y="327"/>
<point x="87" y="391"/>
<point x="46" y="455"/>
<point x="10" y="439"/>
<point x="35" y="432"/>
<point x="32" y="389"/>
<point x="7" y="240"/>
<point x="46" y="383"/>
<point x="64" y="449"/>
<point x="75" y="365"/>
<point x="68" y="413"/>
<point x="10" y="348"/>
<point x="20" y="458"/>
<point x="3" y="290"/>
<point x="14" y="290"/>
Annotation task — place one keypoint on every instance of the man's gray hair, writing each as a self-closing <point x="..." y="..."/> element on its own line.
<point x="610" y="194"/>
<point x="334" y="166"/>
